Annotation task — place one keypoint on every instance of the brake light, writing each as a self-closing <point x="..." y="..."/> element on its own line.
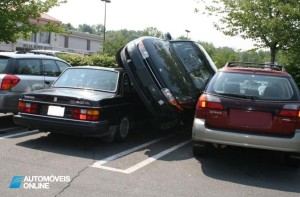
<point x="25" y="107"/>
<point x="143" y="50"/>
<point x="207" y="102"/>
<point x="85" y="114"/>
<point x="291" y="111"/>
<point x="171" y="98"/>
<point x="9" y="81"/>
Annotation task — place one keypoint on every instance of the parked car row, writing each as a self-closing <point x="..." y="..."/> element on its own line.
<point x="243" y="104"/>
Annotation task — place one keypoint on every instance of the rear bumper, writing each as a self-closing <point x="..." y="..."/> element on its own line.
<point x="9" y="102"/>
<point x="65" y="126"/>
<point x="286" y="144"/>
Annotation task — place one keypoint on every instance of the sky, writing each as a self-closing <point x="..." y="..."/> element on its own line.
<point x="174" y="16"/>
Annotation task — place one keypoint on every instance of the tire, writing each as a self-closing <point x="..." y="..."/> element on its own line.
<point x="200" y="148"/>
<point x="292" y="159"/>
<point x="123" y="130"/>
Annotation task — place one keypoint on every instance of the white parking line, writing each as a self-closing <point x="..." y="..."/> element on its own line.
<point x="19" y="134"/>
<point x="11" y="128"/>
<point x="136" y="167"/>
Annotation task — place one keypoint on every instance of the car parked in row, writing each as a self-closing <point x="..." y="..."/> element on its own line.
<point x="85" y="100"/>
<point x="21" y="73"/>
<point x="169" y="75"/>
<point x="249" y="105"/>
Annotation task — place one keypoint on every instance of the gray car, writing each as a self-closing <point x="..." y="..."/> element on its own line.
<point x="21" y="73"/>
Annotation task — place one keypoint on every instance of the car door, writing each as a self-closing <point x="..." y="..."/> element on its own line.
<point x="50" y="71"/>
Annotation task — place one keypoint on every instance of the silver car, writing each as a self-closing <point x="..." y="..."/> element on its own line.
<point x="21" y="73"/>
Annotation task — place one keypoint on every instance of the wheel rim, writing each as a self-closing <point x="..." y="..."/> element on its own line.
<point x="124" y="127"/>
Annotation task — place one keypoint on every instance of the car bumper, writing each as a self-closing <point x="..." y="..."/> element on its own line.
<point x="64" y="126"/>
<point x="9" y="102"/>
<point x="286" y="144"/>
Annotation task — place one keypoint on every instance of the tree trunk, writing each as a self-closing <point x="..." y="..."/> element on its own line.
<point x="273" y="50"/>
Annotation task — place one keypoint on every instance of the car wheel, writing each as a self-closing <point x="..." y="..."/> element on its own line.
<point x="292" y="159"/>
<point x="123" y="130"/>
<point x="200" y="148"/>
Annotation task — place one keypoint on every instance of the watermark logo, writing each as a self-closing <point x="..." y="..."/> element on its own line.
<point x="36" y="182"/>
<point x="16" y="182"/>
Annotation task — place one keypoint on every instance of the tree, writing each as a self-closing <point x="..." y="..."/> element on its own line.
<point x="273" y="24"/>
<point x="15" y="18"/>
<point x="152" y="31"/>
<point x="68" y="26"/>
<point x="86" y="28"/>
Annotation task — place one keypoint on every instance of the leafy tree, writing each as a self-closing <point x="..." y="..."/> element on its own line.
<point x="152" y="31"/>
<point x="68" y="26"/>
<point x="86" y="28"/>
<point x="272" y="24"/>
<point x="15" y="18"/>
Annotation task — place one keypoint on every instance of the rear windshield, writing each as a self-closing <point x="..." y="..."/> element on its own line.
<point x="183" y="67"/>
<point x="88" y="79"/>
<point x="257" y="86"/>
<point x="3" y="64"/>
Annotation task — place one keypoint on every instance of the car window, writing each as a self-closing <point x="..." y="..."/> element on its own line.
<point x="50" y="68"/>
<point x="28" y="67"/>
<point x="88" y="78"/>
<point x="263" y="87"/>
<point x="3" y="63"/>
<point x="62" y="65"/>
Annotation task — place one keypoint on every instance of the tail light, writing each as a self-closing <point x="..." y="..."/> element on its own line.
<point x="25" y="107"/>
<point x="207" y="102"/>
<point x="9" y="81"/>
<point x="85" y="114"/>
<point x="171" y="98"/>
<point x="143" y="50"/>
<point x="291" y="111"/>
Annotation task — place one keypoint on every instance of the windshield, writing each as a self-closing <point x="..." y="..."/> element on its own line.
<point x="184" y="76"/>
<point x="89" y="79"/>
<point x="255" y="86"/>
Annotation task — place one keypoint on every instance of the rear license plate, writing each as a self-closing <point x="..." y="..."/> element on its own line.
<point x="251" y="119"/>
<point x="56" y="111"/>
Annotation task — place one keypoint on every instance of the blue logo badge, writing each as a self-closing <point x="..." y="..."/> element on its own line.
<point x="16" y="182"/>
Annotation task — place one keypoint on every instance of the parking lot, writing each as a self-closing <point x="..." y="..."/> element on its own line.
<point x="150" y="163"/>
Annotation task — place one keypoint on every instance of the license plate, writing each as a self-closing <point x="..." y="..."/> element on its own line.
<point x="56" y="111"/>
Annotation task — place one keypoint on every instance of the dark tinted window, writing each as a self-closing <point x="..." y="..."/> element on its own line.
<point x="50" y="68"/>
<point x="28" y="67"/>
<point x="88" y="78"/>
<point x="261" y="87"/>
<point x="3" y="63"/>
<point x="62" y="66"/>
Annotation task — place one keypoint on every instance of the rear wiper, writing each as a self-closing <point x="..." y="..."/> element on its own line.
<point x="238" y="95"/>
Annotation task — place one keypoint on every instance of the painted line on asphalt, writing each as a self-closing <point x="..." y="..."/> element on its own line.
<point x="126" y="152"/>
<point x="19" y="134"/>
<point x="141" y="164"/>
<point x="10" y="128"/>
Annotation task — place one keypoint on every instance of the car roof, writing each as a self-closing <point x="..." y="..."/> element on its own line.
<point x="27" y="55"/>
<point x="257" y="68"/>
<point x="117" y="69"/>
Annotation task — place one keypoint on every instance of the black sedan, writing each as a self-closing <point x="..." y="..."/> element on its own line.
<point x="169" y="75"/>
<point x="87" y="100"/>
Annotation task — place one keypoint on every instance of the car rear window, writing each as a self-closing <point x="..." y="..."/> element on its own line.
<point x="88" y="79"/>
<point x="261" y="87"/>
<point x="3" y="64"/>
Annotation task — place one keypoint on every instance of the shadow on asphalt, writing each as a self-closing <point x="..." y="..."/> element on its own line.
<point x="251" y="167"/>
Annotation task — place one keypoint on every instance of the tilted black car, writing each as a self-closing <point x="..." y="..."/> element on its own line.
<point x="169" y="75"/>
<point x="90" y="101"/>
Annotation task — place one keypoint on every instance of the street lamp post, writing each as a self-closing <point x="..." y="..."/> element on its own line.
<point x="187" y="33"/>
<point x="104" y="28"/>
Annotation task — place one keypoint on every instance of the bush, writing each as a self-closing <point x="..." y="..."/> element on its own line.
<point x="102" y="60"/>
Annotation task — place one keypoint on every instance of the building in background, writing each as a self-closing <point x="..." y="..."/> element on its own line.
<point x="72" y="41"/>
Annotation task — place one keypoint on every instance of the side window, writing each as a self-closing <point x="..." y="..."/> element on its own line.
<point x="50" y="68"/>
<point x="62" y="65"/>
<point x="28" y="67"/>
